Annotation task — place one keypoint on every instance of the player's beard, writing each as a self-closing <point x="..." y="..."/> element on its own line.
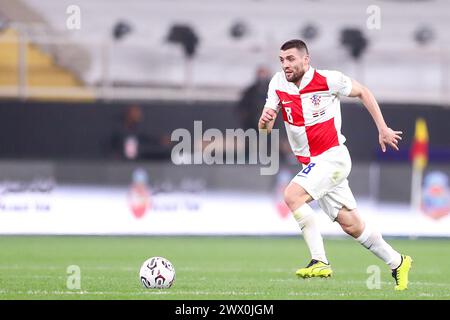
<point x="295" y="76"/>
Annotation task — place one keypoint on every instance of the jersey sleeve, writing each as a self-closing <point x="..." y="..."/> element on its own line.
<point x="272" y="100"/>
<point x="339" y="83"/>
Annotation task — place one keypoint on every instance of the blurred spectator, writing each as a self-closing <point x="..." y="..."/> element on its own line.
<point x="250" y="107"/>
<point x="131" y="141"/>
<point x="253" y="100"/>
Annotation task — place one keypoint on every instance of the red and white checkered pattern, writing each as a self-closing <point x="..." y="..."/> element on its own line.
<point x="311" y="112"/>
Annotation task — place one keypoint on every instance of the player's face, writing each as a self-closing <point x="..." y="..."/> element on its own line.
<point x="294" y="64"/>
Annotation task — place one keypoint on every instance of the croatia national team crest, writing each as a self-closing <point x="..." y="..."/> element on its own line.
<point x="315" y="99"/>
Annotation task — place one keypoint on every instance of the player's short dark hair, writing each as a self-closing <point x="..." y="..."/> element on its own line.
<point x="295" y="43"/>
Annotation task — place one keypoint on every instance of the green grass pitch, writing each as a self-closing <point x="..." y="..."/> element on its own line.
<point x="33" y="267"/>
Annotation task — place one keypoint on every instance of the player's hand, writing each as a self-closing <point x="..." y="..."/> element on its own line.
<point x="267" y="116"/>
<point x="387" y="136"/>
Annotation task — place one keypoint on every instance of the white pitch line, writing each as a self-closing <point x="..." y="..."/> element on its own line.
<point x="149" y="293"/>
<point x="64" y="267"/>
<point x="197" y="293"/>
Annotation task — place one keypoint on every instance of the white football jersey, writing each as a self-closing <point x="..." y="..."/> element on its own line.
<point x="311" y="112"/>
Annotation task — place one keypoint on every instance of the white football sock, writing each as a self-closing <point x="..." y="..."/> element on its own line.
<point x="373" y="241"/>
<point x="311" y="233"/>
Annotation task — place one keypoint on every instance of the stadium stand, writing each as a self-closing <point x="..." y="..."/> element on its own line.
<point x="143" y="58"/>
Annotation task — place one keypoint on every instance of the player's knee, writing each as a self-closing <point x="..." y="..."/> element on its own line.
<point x="353" y="228"/>
<point x="289" y="199"/>
<point x="351" y="223"/>
<point x="350" y="229"/>
<point x="294" y="198"/>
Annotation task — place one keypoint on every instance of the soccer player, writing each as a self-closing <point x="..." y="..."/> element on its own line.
<point x="309" y="100"/>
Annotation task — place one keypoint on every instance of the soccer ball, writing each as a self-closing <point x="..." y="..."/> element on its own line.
<point x="157" y="273"/>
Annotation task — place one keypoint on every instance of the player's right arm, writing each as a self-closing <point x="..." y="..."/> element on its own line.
<point x="267" y="119"/>
<point x="271" y="107"/>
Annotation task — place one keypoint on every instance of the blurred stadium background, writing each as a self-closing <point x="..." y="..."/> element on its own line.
<point x="90" y="92"/>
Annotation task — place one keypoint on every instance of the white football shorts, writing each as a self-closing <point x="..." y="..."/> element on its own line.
<point x="325" y="180"/>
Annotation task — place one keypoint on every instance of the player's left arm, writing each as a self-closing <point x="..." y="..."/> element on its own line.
<point x="387" y="136"/>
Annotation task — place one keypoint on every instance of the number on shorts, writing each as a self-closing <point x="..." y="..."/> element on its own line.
<point x="308" y="168"/>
